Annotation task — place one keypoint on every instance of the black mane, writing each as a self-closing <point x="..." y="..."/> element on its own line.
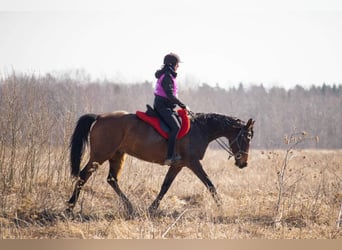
<point x="218" y="118"/>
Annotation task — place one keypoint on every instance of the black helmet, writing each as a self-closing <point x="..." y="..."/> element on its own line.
<point x="171" y="59"/>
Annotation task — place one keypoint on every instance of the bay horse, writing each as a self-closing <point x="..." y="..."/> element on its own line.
<point x="114" y="135"/>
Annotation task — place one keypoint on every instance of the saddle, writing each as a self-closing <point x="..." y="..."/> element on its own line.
<point x="152" y="118"/>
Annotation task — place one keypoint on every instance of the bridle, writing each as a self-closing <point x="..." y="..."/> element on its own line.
<point x="227" y="146"/>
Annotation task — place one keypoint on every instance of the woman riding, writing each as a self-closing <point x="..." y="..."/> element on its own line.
<point x="165" y="101"/>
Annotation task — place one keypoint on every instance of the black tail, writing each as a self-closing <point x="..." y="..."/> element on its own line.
<point x="79" y="140"/>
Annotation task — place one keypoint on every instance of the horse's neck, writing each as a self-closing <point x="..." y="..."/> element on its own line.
<point x="216" y="125"/>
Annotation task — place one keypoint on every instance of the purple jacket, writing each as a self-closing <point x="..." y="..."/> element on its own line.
<point x="159" y="90"/>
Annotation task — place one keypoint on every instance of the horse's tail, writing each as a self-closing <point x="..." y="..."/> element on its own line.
<point x="79" y="140"/>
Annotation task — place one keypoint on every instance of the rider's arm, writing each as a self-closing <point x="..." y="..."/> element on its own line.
<point x="167" y="85"/>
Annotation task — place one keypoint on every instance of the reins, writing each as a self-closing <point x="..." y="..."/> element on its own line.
<point x="225" y="146"/>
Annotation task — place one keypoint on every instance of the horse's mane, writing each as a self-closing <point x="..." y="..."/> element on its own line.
<point x="218" y="118"/>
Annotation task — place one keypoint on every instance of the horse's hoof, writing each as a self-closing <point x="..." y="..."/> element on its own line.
<point x="68" y="213"/>
<point x="152" y="210"/>
<point x="129" y="211"/>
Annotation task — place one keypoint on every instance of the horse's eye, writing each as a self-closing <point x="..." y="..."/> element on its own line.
<point x="249" y="136"/>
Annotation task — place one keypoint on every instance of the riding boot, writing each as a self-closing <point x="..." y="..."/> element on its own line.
<point x="171" y="157"/>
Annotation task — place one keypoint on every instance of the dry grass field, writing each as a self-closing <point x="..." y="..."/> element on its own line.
<point x="34" y="200"/>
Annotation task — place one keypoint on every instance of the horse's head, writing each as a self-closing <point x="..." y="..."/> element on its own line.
<point x="240" y="143"/>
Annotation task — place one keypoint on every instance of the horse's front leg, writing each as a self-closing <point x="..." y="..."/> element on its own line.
<point x="170" y="176"/>
<point x="198" y="170"/>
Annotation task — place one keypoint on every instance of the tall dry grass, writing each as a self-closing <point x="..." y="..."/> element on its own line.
<point x="310" y="207"/>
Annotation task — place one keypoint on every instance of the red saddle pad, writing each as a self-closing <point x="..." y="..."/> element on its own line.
<point x="155" y="123"/>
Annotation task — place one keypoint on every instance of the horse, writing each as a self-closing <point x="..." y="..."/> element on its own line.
<point x="113" y="136"/>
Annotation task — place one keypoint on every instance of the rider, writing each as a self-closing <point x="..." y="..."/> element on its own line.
<point x="165" y="102"/>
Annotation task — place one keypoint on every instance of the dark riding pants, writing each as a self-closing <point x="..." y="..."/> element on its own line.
<point x="169" y="117"/>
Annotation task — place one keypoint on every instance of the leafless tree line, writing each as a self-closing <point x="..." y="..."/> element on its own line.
<point x="43" y="110"/>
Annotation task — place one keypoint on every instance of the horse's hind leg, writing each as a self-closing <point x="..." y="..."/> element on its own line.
<point x="84" y="176"/>
<point x="115" y="167"/>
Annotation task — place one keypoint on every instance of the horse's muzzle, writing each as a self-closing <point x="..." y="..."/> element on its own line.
<point x="240" y="164"/>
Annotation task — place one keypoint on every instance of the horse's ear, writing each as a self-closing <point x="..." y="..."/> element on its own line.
<point x="250" y="123"/>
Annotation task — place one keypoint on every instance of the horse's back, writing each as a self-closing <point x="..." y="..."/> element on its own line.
<point x="109" y="125"/>
<point x="125" y="132"/>
<point x="113" y="115"/>
<point x="120" y="122"/>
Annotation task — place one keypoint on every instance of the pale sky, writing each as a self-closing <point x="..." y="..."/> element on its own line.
<point x="276" y="43"/>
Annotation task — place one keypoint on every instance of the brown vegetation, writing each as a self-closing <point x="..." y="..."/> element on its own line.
<point x="284" y="192"/>
<point x="310" y="202"/>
